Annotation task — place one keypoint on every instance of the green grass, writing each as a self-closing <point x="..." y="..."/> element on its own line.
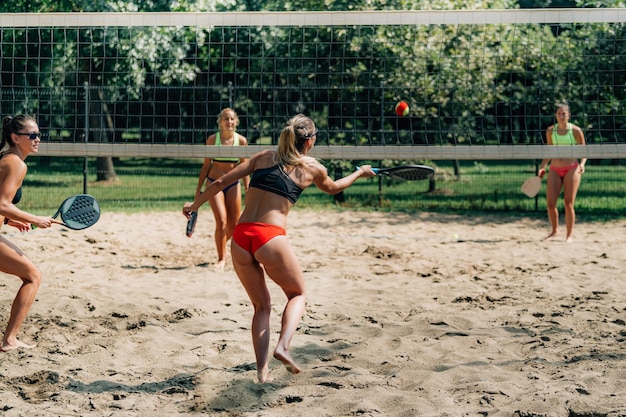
<point x="165" y="184"/>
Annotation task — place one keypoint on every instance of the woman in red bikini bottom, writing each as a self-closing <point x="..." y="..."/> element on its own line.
<point x="260" y="245"/>
<point x="565" y="173"/>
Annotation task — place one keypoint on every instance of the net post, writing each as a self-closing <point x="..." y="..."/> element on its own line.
<point x="382" y="141"/>
<point x="537" y="196"/>
<point x="85" y="161"/>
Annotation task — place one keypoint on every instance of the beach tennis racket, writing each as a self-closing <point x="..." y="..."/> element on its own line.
<point x="406" y="172"/>
<point x="531" y="186"/>
<point x="78" y="212"/>
<point x="191" y="223"/>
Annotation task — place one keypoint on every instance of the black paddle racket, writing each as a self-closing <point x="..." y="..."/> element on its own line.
<point x="191" y="223"/>
<point x="406" y="172"/>
<point x="78" y="212"/>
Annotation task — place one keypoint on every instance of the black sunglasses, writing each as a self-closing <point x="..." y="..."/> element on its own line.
<point x="31" y="136"/>
<point x="310" y="135"/>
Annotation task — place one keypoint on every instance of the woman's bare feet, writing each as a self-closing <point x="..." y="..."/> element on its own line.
<point x="219" y="265"/>
<point x="264" y="376"/>
<point x="6" y="346"/>
<point x="551" y="235"/>
<point x="285" y="358"/>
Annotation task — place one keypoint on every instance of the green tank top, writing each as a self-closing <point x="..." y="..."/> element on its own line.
<point x="219" y="143"/>
<point x="566" y="139"/>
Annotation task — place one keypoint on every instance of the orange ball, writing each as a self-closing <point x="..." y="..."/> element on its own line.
<point x="402" y="108"/>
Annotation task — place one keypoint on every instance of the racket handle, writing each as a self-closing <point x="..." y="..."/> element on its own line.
<point x="373" y="169"/>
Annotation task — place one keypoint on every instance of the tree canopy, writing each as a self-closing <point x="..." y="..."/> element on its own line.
<point x="465" y="83"/>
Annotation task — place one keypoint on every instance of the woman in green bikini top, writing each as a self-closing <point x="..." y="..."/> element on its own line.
<point x="226" y="206"/>
<point x="218" y="142"/>
<point x="565" y="173"/>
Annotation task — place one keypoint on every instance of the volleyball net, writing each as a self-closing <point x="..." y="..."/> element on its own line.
<point x="480" y="84"/>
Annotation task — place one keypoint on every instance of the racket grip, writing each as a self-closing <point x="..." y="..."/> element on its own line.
<point x="373" y="169"/>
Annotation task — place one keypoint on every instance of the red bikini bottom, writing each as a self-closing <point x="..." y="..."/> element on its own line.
<point x="251" y="236"/>
<point x="562" y="171"/>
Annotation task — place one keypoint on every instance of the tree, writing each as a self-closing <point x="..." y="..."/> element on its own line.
<point x="114" y="63"/>
<point x="466" y="83"/>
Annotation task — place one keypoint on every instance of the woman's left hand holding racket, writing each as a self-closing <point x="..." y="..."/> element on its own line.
<point x="44" y="222"/>
<point x="187" y="210"/>
<point x="41" y="222"/>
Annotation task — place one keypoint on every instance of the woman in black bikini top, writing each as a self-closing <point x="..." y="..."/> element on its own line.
<point x="20" y="137"/>
<point x="260" y="244"/>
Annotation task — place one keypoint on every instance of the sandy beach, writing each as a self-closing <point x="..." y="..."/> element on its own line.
<point x="407" y="315"/>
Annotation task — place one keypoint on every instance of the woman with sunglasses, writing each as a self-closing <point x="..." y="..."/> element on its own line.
<point x="20" y="137"/>
<point x="260" y="244"/>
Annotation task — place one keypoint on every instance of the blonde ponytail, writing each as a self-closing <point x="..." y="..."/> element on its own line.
<point x="293" y="137"/>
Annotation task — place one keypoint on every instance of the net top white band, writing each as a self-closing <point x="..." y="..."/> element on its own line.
<point x="495" y="152"/>
<point x="375" y="18"/>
